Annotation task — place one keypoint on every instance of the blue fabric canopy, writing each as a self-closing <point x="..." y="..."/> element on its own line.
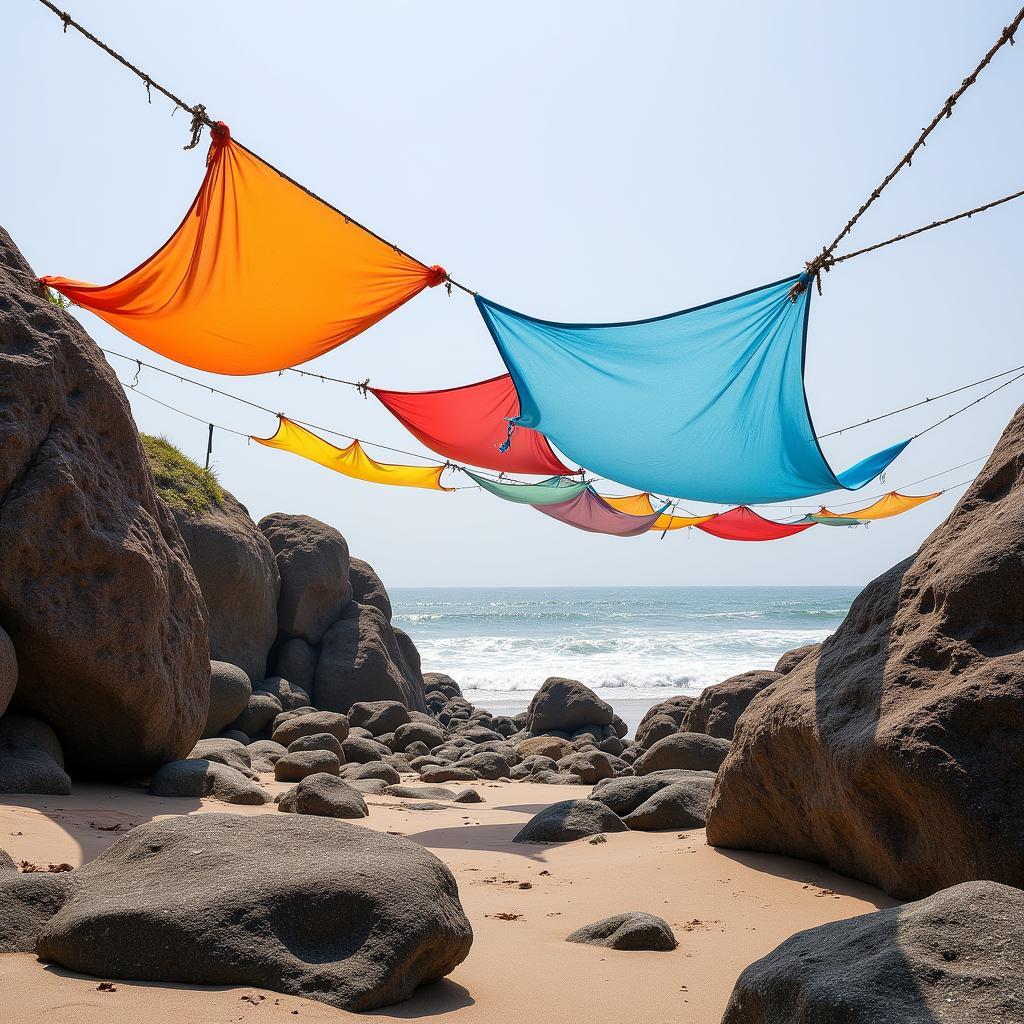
<point x="706" y="404"/>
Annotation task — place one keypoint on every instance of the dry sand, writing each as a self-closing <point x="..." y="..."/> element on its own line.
<point x="727" y="909"/>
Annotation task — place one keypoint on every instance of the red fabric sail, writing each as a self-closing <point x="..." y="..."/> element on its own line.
<point x="470" y="423"/>
<point x="744" y="524"/>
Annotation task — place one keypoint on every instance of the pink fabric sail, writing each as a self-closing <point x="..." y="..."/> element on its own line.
<point x="590" y="512"/>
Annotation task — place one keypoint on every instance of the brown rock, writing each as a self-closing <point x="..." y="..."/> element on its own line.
<point x="312" y="559"/>
<point x="360" y="660"/>
<point x="97" y="592"/>
<point x="896" y="753"/>
<point x="716" y="710"/>
<point x="8" y="671"/>
<point x="237" y="573"/>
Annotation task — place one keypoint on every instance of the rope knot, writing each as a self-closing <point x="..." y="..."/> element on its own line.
<point x="437" y="275"/>
<point x="812" y="272"/>
<point x="199" y="118"/>
<point x="363" y="386"/>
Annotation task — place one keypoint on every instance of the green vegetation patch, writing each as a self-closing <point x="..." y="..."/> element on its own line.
<point x="182" y="483"/>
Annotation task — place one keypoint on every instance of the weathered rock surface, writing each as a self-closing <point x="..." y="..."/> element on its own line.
<point x="420" y="792"/>
<point x="289" y="695"/>
<point x="553" y="747"/>
<point x="200" y="778"/>
<point x="313" y="562"/>
<point x="360" y="660"/>
<point x="230" y="690"/>
<point x="448" y="773"/>
<point x="31" y="760"/>
<point x="895" y="753"/>
<point x="326" y="795"/>
<point x="955" y="956"/>
<point x="319" y="741"/>
<point x="222" y="750"/>
<point x="326" y="910"/>
<point x="677" y="806"/>
<point x="265" y="754"/>
<point x="296" y="662"/>
<point x="378" y="716"/>
<point x="626" y="795"/>
<point x="568" y="820"/>
<point x="310" y="724"/>
<point x="716" y="710"/>
<point x="27" y="902"/>
<point x="297" y="765"/>
<point x="260" y="710"/>
<point x="694" y="751"/>
<point x="566" y="704"/>
<point x="96" y="590"/>
<point x="367" y="587"/>
<point x="632" y="930"/>
<point x="791" y="659"/>
<point x="8" y="671"/>
<point x="238" y="576"/>
<point x="371" y="770"/>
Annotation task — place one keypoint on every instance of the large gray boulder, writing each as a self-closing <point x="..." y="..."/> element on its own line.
<point x="313" y="562"/>
<point x="226" y="751"/>
<point x="230" y="690"/>
<point x="311" y="724"/>
<point x="625" y="795"/>
<point x="360" y="660"/>
<point x="96" y="590"/>
<point x="568" y="820"/>
<point x="957" y="956"/>
<point x="693" y="751"/>
<point x="716" y="710"/>
<point x="325" y="910"/>
<point x="325" y="795"/>
<point x="895" y="752"/>
<point x="378" y="716"/>
<point x="566" y="705"/>
<point x="196" y="779"/>
<point x="632" y="930"/>
<point x="238" y="575"/>
<point x="27" y="902"/>
<point x="31" y="759"/>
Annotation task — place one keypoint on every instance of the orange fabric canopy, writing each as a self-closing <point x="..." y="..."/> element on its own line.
<point x="351" y="461"/>
<point x="259" y="276"/>
<point x="640" y="505"/>
<point x="891" y="504"/>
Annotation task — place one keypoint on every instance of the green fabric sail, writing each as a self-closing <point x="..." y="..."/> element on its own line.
<point x="546" y="492"/>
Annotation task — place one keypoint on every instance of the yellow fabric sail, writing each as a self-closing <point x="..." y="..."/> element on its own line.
<point x="640" y="505"/>
<point x="351" y="461"/>
<point x="891" y="504"/>
<point x="259" y="275"/>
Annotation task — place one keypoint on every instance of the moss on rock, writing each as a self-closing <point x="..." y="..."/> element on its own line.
<point x="182" y="483"/>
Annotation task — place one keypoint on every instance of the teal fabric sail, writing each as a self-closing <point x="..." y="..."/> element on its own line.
<point x="546" y="492"/>
<point x="707" y="404"/>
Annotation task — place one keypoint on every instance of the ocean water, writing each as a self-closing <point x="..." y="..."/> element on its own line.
<point x="634" y="646"/>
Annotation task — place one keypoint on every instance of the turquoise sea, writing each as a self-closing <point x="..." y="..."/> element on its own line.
<point x="633" y="645"/>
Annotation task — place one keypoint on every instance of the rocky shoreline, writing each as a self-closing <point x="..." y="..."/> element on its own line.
<point x="158" y="645"/>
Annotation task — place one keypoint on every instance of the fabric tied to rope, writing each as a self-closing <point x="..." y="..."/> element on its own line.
<point x="472" y="424"/>
<point x="706" y="404"/>
<point x="545" y="492"/>
<point x="259" y="275"/>
<point x="745" y="524"/>
<point x="892" y="504"/>
<point x="351" y="461"/>
<point x="590" y="512"/>
<point x="640" y="505"/>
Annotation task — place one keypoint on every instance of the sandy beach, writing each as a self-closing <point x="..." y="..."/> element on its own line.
<point x="727" y="910"/>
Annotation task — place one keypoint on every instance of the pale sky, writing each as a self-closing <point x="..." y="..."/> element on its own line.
<point x="578" y="161"/>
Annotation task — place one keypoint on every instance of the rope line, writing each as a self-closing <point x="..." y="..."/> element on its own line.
<point x="924" y="401"/>
<point x="474" y="487"/>
<point x="824" y="259"/>
<point x="200" y="118"/>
